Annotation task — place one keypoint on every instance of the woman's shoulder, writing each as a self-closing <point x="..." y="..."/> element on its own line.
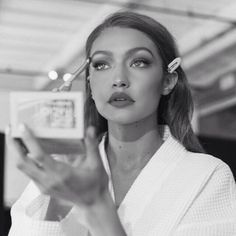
<point x="203" y="161"/>
<point x="193" y="160"/>
<point x="216" y="198"/>
<point x="203" y="158"/>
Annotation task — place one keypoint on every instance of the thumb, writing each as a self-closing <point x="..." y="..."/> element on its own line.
<point x="91" y="145"/>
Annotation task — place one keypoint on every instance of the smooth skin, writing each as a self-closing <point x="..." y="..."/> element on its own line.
<point x="126" y="60"/>
<point x="123" y="60"/>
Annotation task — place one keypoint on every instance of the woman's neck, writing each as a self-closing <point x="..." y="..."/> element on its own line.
<point x="131" y="146"/>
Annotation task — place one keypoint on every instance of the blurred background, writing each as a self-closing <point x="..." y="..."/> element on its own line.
<point x="43" y="40"/>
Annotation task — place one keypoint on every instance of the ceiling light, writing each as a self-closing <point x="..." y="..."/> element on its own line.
<point x="53" y="75"/>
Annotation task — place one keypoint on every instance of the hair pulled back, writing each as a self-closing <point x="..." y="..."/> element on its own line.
<point x="176" y="108"/>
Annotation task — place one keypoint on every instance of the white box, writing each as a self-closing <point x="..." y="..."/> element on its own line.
<point x="57" y="115"/>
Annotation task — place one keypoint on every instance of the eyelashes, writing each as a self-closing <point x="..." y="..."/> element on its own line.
<point x="100" y="65"/>
<point x="140" y="63"/>
<point x="136" y="63"/>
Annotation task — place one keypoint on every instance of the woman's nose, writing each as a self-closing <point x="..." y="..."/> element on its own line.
<point x="121" y="80"/>
<point x="120" y="83"/>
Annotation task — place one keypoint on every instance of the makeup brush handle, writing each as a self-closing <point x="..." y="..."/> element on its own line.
<point x="66" y="86"/>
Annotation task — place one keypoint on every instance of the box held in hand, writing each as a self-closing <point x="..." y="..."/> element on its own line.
<point x="48" y="114"/>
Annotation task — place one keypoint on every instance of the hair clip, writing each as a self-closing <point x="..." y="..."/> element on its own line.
<point x="174" y="65"/>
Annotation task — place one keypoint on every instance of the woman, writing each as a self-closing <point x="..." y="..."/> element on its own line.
<point x="144" y="172"/>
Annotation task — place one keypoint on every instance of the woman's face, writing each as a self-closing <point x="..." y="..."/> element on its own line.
<point x="125" y="75"/>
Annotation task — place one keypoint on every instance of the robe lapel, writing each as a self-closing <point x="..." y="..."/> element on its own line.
<point x="169" y="198"/>
<point x="163" y="191"/>
<point x="181" y="189"/>
<point x="148" y="182"/>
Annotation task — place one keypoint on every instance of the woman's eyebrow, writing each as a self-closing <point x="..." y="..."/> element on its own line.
<point x="103" y="52"/>
<point x="136" y="49"/>
<point x="128" y="53"/>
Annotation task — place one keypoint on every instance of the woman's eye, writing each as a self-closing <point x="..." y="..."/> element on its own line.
<point x="141" y="63"/>
<point x="100" y="66"/>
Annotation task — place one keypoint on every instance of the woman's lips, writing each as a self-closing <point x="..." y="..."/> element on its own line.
<point x="120" y="100"/>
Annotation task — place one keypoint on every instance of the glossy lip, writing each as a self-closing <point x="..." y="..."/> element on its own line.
<point x="120" y="99"/>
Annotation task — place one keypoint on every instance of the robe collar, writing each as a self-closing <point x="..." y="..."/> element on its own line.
<point x="153" y="173"/>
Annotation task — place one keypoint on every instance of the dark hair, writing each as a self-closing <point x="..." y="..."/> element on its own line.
<point x="175" y="109"/>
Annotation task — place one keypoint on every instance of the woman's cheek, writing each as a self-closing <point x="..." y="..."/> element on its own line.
<point x="99" y="100"/>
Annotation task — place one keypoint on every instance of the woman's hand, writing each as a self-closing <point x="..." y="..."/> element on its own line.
<point x="84" y="183"/>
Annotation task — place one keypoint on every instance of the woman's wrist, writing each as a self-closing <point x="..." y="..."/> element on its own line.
<point x="57" y="210"/>
<point x="102" y="218"/>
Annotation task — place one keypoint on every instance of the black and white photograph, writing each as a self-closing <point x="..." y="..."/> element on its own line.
<point x="118" y="118"/>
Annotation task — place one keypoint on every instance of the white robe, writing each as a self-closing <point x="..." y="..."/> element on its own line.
<point x="177" y="193"/>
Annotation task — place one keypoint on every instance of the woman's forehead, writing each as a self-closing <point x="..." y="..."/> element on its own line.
<point x="117" y="38"/>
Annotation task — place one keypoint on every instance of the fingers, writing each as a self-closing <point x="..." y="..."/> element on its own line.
<point x="15" y="146"/>
<point x="91" y="144"/>
<point x="26" y="159"/>
<point x="24" y="162"/>
<point x="31" y="168"/>
<point x="46" y="173"/>
<point x="91" y="141"/>
<point x="31" y="143"/>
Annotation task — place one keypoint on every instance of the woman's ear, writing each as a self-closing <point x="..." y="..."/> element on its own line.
<point x="169" y="82"/>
